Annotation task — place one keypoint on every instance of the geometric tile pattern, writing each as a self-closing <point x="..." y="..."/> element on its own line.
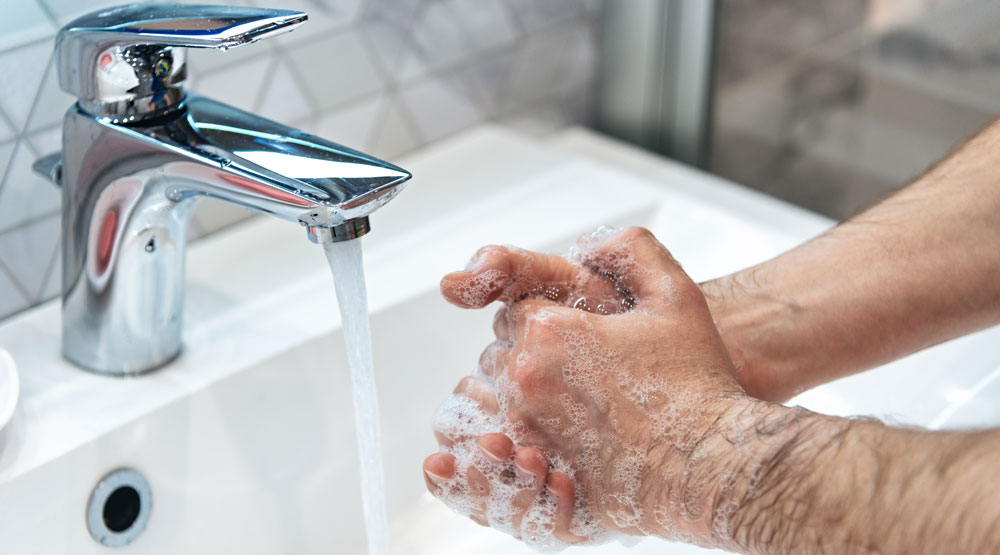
<point x="832" y="104"/>
<point x="383" y="76"/>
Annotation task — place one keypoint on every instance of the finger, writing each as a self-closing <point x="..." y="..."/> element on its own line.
<point x="528" y="313"/>
<point x="443" y="439"/>
<point x="532" y="466"/>
<point x="497" y="447"/>
<point x="478" y="390"/>
<point x="438" y="469"/>
<point x="501" y="326"/>
<point x="495" y="357"/>
<point x="639" y="263"/>
<point x="535" y="363"/>
<point x="505" y="274"/>
<point x="564" y="490"/>
<point x="479" y="488"/>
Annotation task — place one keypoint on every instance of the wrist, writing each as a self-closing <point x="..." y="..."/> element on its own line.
<point x="781" y="473"/>
<point x="758" y="329"/>
<point x="715" y="489"/>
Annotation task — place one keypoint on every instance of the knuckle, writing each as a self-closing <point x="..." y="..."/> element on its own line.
<point x="541" y="327"/>
<point x="688" y="290"/>
<point x="464" y="385"/>
<point x="501" y="327"/>
<point x="637" y="234"/>
<point x="527" y="375"/>
<point x="490" y="357"/>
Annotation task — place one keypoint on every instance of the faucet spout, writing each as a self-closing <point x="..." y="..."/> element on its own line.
<point x="275" y="169"/>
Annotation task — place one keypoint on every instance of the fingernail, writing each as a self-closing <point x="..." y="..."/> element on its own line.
<point x="486" y="452"/>
<point x="523" y="470"/>
<point x="434" y="477"/>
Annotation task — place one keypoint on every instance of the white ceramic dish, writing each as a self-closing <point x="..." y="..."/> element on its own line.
<point x="9" y="387"/>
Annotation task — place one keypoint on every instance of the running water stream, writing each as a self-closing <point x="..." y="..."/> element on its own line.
<point x="352" y="296"/>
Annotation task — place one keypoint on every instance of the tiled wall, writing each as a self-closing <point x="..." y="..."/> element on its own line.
<point x="383" y="76"/>
<point x="832" y="104"/>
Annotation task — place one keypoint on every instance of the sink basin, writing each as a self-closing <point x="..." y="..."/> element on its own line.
<point x="247" y="439"/>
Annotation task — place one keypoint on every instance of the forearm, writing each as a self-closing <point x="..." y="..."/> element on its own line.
<point x="818" y="484"/>
<point x="918" y="269"/>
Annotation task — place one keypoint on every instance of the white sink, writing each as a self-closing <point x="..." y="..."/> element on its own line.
<point x="247" y="440"/>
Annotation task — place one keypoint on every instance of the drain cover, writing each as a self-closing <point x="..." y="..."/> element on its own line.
<point x="119" y="508"/>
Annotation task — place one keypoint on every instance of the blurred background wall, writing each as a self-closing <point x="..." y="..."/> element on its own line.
<point x="832" y="104"/>
<point x="382" y="76"/>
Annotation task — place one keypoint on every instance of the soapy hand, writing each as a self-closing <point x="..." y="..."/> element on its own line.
<point x="606" y="407"/>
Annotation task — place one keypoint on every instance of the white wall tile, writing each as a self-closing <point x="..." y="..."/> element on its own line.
<point x="352" y="125"/>
<point x="237" y="84"/>
<point x="484" y="81"/>
<point x="401" y="12"/>
<point x="387" y="41"/>
<point x="25" y="196"/>
<point x="485" y="24"/>
<point x="282" y="100"/>
<point x="6" y="151"/>
<point x="49" y="109"/>
<point x="35" y="240"/>
<point x="22" y="69"/>
<point x="23" y="21"/>
<point x="47" y="141"/>
<point x="438" y="109"/>
<point x="52" y="287"/>
<point x="534" y="15"/>
<point x="394" y="134"/>
<point x="68" y="10"/>
<point x="6" y="131"/>
<point x="11" y="298"/>
<point x="325" y="16"/>
<point x="438" y="37"/>
<point x="336" y="69"/>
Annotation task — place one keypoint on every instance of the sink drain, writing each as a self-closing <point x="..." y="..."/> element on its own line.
<point x="119" y="508"/>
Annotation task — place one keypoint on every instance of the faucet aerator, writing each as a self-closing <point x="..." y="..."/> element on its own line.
<point x="351" y="229"/>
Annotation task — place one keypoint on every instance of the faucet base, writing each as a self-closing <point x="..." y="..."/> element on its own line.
<point x="122" y="372"/>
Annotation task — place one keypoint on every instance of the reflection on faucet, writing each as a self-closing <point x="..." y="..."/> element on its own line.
<point x="138" y="153"/>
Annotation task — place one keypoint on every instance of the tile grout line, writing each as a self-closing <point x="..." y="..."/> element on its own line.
<point x="49" y="13"/>
<point x="10" y="123"/>
<point x="31" y="222"/>
<point x="17" y="285"/>
<point x="10" y="164"/>
<point x="47" y="273"/>
<point x="27" y="44"/>
<point x="18" y="226"/>
<point x="391" y="89"/>
<point x="259" y="97"/>
<point x="297" y="79"/>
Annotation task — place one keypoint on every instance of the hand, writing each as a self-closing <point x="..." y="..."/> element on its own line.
<point x="584" y="424"/>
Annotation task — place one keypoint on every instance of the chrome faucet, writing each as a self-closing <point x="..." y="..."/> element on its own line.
<point x="137" y="155"/>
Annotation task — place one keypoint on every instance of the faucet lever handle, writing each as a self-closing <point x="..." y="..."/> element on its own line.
<point x="120" y="62"/>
